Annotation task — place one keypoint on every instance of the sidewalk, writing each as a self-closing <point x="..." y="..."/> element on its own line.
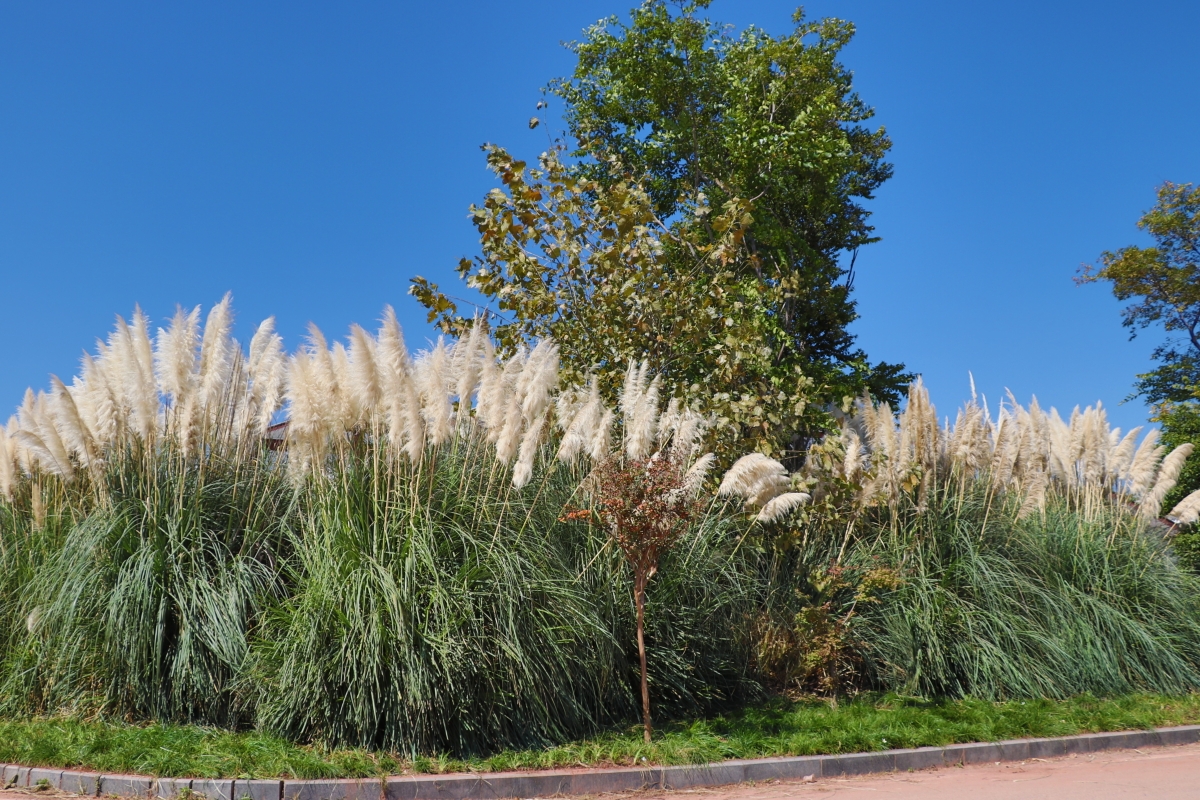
<point x="1163" y="773"/>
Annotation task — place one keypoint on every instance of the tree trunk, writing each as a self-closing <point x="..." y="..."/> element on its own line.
<point x="639" y="594"/>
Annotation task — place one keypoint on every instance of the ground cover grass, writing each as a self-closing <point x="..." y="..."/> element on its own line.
<point x="776" y="728"/>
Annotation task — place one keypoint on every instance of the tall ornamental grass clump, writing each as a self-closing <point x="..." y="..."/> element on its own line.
<point x="412" y="567"/>
<point x="1016" y="557"/>
<point x="418" y="560"/>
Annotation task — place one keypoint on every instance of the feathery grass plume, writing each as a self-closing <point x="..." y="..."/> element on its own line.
<point x="1185" y="512"/>
<point x="639" y="408"/>
<point x="434" y="383"/>
<point x="538" y="379"/>
<point x="175" y="366"/>
<point x="1120" y="457"/>
<point x="406" y="429"/>
<point x="969" y="448"/>
<point x="582" y="423"/>
<point x="7" y="463"/>
<point x="669" y="420"/>
<point x="1094" y="445"/>
<point x="852" y="464"/>
<point x="1035" y="494"/>
<point x="504" y="407"/>
<point x="306" y="426"/>
<point x="779" y="507"/>
<point x="1168" y="474"/>
<point x="215" y="359"/>
<point x="364" y="387"/>
<point x="40" y="435"/>
<point x="756" y="478"/>
<point x="134" y="382"/>
<point x="103" y="397"/>
<point x="268" y="378"/>
<point x="70" y="425"/>
<point x="491" y="404"/>
<point x="530" y="443"/>
<point x="693" y="479"/>
<point x="601" y="443"/>
<point x="466" y="366"/>
<point x="344" y="411"/>
<point x="1144" y="468"/>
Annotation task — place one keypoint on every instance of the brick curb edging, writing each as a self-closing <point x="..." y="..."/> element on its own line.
<point x="495" y="785"/>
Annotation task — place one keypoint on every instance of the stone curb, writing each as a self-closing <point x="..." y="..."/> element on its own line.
<point x="498" y="785"/>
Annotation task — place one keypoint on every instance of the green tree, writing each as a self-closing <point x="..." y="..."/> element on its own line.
<point x="676" y="115"/>
<point x="1162" y="283"/>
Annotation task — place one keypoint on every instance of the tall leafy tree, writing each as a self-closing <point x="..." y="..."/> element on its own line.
<point x="707" y="132"/>
<point x="1162" y="286"/>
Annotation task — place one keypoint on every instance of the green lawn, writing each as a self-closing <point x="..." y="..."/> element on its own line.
<point x="775" y="729"/>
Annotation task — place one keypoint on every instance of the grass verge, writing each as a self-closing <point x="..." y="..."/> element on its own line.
<point x="775" y="729"/>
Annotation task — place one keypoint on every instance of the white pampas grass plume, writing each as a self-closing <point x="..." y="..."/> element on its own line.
<point x="71" y="428"/>
<point x="175" y="357"/>
<point x="216" y="356"/>
<point x="97" y="400"/>
<point x="1168" y="475"/>
<point x="510" y="432"/>
<point x="268" y="377"/>
<point x="601" y="444"/>
<point x="581" y="427"/>
<point x="1145" y="464"/>
<point x="406" y="429"/>
<point x="685" y="439"/>
<point x="1035" y="494"/>
<point x="523" y="471"/>
<point x="639" y="409"/>
<point x="1187" y="511"/>
<point x="779" y="507"/>
<point x="433" y="382"/>
<point x="693" y="479"/>
<point x="1120" y="458"/>
<point x="8" y="477"/>
<point x="538" y="379"/>
<point x="343" y="410"/>
<point x="669" y="421"/>
<point x="757" y="478"/>
<point x="466" y="365"/>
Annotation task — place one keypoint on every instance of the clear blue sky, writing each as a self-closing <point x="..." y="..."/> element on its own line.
<point x="311" y="157"/>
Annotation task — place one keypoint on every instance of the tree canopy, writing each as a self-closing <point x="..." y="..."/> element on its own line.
<point x="1163" y="281"/>
<point x="705" y="220"/>
<point x="1162" y="285"/>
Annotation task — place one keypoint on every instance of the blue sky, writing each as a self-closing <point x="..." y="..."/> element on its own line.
<point x="311" y="157"/>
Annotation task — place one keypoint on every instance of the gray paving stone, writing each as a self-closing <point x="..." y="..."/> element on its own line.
<point x="1050" y="748"/>
<point x="971" y="753"/>
<point x="126" y="785"/>
<point x="1183" y="735"/>
<point x="333" y="790"/>
<point x="915" y="758"/>
<point x="213" y="789"/>
<point x="857" y="764"/>
<point x="781" y="769"/>
<point x="171" y="788"/>
<point x="39" y="776"/>
<point x="87" y="783"/>
<point x="16" y="776"/>
<point x="258" y="790"/>
<point x="1013" y="750"/>
<point x="685" y="777"/>
<point x="620" y="780"/>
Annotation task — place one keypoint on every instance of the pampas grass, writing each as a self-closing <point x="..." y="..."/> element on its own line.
<point x="415" y="568"/>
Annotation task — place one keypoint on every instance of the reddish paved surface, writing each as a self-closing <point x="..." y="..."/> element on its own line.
<point x="1165" y="773"/>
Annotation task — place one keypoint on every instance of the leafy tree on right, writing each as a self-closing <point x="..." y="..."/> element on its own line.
<point x="1163" y="283"/>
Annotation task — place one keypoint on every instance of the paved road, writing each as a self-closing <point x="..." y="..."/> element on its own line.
<point x="1162" y="773"/>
